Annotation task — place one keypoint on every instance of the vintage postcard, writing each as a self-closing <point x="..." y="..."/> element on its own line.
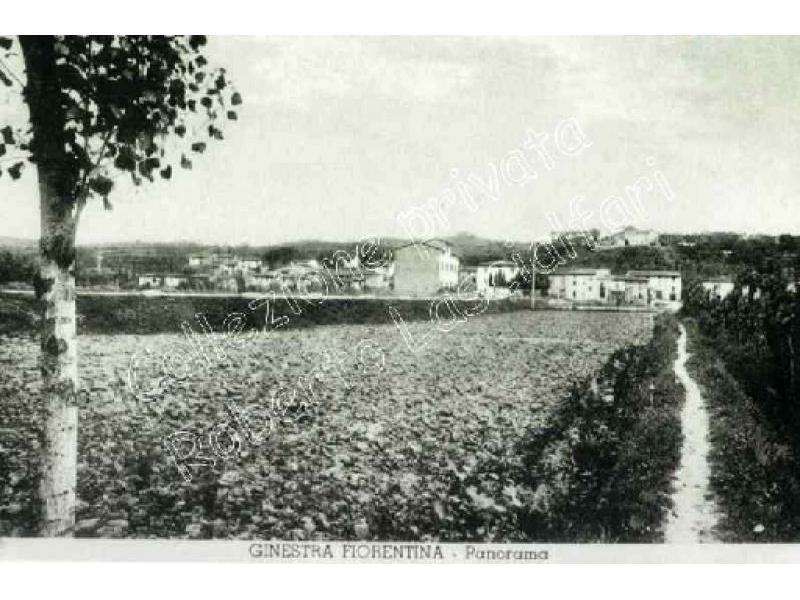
<point x="399" y="299"/>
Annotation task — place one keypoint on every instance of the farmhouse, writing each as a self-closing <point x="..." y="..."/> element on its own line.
<point x="630" y="236"/>
<point x="627" y="289"/>
<point x="662" y="285"/>
<point x="580" y="285"/>
<point x="425" y="268"/>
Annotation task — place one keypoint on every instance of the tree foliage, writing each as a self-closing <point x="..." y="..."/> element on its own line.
<point x="756" y="329"/>
<point x="120" y="99"/>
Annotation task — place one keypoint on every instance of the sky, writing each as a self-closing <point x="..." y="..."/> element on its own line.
<point x="347" y="138"/>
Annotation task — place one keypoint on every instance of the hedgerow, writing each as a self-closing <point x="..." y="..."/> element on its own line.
<point x="754" y="472"/>
<point x="143" y="315"/>
<point x="601" y="467"/>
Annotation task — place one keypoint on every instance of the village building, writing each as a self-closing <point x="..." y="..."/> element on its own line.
<point x="150" y="280"/>
<point x="579" y="285"/>
<point x="664" y="286"/>
<point x="718" y="287"/>
<point x="627" y="290"/>
<point x="629" y="236"/>
<point x="201" y="260"/>
<point x="599" y="286"/>
<point x="172" y="281"/>
<point x="379" y="278"/>
<point x="425" y="269"/>
<point x="251" y="265"/>
<point x="492" y="278"/>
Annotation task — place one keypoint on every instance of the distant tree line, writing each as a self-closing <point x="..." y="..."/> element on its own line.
<point x="16" y="267"/>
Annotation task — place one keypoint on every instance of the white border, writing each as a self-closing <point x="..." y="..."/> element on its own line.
<point x="359" y="17"/>
<point x="408" y="17"/>
<point x="378" y="582"/>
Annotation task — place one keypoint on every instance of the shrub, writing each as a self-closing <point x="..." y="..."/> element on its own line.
<point x="601" y="466"/>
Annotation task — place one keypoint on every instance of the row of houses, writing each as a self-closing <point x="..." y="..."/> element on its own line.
<point x="237" y="274"/>
<point x="425" y="269"/>
<point x="720" y="288"/>
<point x="599" y="286"/>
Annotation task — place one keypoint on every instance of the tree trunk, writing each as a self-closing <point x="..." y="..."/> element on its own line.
<point x="60" y="372"/>
<point x="55" y="286"/>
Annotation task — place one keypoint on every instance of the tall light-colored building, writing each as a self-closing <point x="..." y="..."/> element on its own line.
<point x="425" y="268"/>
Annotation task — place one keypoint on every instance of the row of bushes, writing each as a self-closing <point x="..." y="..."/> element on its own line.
<point x="754" y="475"/>
<point x="601" y="467"/>
<point x="755" y="329"/>
<point x="746" y="356"/>
<point x="165" y="314"/>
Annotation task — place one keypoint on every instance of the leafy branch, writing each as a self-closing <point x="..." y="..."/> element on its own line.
<point x="128" y="95"/>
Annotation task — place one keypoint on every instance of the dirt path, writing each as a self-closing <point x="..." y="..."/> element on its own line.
<point x="693" y="514"/>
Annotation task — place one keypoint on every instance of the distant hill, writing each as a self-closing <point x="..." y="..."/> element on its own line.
<point x="15" y="243"/>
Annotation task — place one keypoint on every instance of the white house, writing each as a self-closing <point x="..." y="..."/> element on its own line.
<point x="630" y="236"/>
<point x="425" y="268"/>
<point x="646" y="288"/>
<point x="150" y="280"/>
<point x="174" y="281"/>
<point x="718" y="287"/>
<point x="201" y="260"/>
<point x="490" y="277"/>
<point x="627" y="289"/>
<point x="664" y="286"/>
<point x="580" y="285"/>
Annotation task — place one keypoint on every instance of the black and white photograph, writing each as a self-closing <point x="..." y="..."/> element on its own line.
<point x="432" y="298"/>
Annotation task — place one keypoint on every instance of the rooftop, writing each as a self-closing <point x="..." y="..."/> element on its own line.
<point x="654" y="273"/>
<point x="498" y="263"/>
<point x="435" y="243"/>
<point x="580" y="271"/>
